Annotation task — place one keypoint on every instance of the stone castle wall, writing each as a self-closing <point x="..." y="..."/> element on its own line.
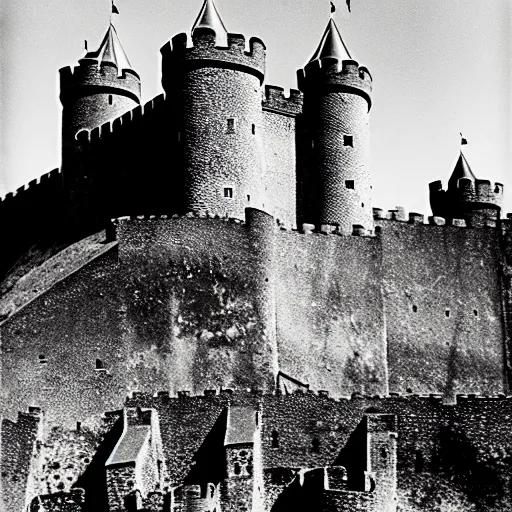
<point x="194" y="303"/>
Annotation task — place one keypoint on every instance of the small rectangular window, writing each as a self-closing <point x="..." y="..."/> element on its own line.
<point x="110" y="99"/>
<point x="231" y="128"/>
<point x="248" y="198"/>
<point x="254" y="129"/>
<point x="349" y="184"/>
<point x="228" y="192"/>
<point x="178" y="136"/>
<point x="348" y="140"/>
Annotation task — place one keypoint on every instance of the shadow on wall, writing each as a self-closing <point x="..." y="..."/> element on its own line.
<point x="94" y="480"/>
<point x="209" y="462"/>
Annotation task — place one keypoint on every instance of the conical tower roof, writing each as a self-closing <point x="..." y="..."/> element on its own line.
<point x="111" y="51"/>
<point x="461" y="170"/>
<point x="332" y="45"/>
<point x="209" y="17"/>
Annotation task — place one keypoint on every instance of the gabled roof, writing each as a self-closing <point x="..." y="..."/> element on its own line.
<point x="209" y="17"/>
<point x="111" y="51"/>
<point x="241" y="426"/>
<point x="332" y="45"/>
<point x="461" y="170"/>
<point x="130" y="445"/>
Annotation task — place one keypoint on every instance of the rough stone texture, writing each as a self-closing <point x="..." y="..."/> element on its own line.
<point x="338" y="114"/>
<point x="20" y="442"/>
<point x="330" y="317"/>
<point x="279" y="141"/>
<point x="430" y="272"/>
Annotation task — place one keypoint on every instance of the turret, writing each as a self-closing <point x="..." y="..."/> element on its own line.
<point x="337" y="102"/>
<point x="214" y="85"/>
<point x="476" y="201"/>
<point x="101" y="88"/>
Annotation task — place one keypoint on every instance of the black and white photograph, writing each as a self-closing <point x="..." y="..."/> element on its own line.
<point x="257" y="256"/>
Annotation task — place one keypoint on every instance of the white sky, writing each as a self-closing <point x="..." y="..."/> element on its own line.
<point x="439" y="67"/>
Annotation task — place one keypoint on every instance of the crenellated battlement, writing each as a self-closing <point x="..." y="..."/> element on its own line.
<point x="346" y="75"/>
<point x="178" y="54"/>
<point x="477" y="202"/>
<point x="89" y="76"/>
<point x="130" y="120"/>
<point x="275" y="100"/>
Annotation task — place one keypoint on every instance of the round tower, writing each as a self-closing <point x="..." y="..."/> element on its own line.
<point x="101" y="88"/>
<point x="337" y="102"/>
<point x="478" y="202"/>
<point x="215" y="88"/>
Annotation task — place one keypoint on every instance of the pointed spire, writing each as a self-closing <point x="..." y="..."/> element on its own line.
<point x="461" y="170"/>
<point x="332" y="45"/>
<point x="209" y="17"/>
<point x="111" y="51"/>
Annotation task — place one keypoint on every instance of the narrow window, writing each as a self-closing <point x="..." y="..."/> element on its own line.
<point x="231" y="125"/>
<point x="99" y="364"/>
<point x="414" y="308"/>
<point x="419" y="462"/>
<point x="349" y="184"/>
<point x="228" y="192"/>
<point x="447" y="313"/>
<point x="236" y="468"/>
<point x="475" y="312"/>
<point x="78" y="426"/>
<point x="348" y="140"/>
<point x="496" y="189"/>
<point x="178" y="136"/>
<point x="383" y="452"/>
<point x="312" y="144"/>
<point x="315" y="445"/>
<point x="110" y="99"/>
<point x="275" y="439"/>
<point x="254" y="129"/>
<point x="248" y="198"/>
<point x="362" y="205"/>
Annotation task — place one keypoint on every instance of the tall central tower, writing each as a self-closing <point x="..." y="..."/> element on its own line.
<point x="215" y="88"/>
<point x="337" y="102"/>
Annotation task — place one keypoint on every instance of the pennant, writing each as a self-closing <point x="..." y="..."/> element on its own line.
<point x="114" y="8"/>
<point x="333" y="8"/>
<point x="463" y="141"/>
<point x="348" y="5"/>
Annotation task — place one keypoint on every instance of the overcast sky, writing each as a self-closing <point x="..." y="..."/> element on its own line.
<point x="439" y="67"/>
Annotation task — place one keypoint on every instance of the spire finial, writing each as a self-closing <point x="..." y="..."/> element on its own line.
<point x="209" y="17"/>
<point x="332" y="45"/>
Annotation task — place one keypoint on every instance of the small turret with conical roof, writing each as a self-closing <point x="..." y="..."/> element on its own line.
<point x="337" y="101"/>
<point x="478" y="202"/>
<point x="214" y="88"/>
<point x="101" y="88"/>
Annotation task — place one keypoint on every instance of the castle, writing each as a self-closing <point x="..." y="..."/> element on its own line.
<point x="201" y="309"/>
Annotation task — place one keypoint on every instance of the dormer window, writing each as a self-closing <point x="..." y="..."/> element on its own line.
<point x="348" y="140"/>
<point x="228" y="192"/>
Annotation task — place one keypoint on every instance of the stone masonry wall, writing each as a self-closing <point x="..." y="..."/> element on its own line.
<point x="443" y="307"/>
<point x="330" y="318"/>
<point x="20" y="443"/>
<point x="279" y="141"/>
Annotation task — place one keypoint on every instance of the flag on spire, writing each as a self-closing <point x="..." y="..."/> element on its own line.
<point x="348" y="5"/>
<point x="333" y="8"/>
<point x="114" y="8"/>
<point x="463" y="141"/>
